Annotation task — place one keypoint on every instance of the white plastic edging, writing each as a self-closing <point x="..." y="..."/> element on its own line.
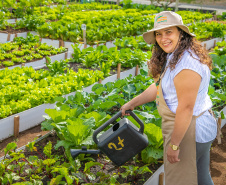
<point x="95" y="46"/>
<point x="112" y="78"/>
<point x="12" y="36"/>
<point x="23" y="34"/>
<point x="154" y="179"/>
<point x="68" y="45"/>
<point x="69" y="54"/>
<point x="37" y="114"/>
<point x="11" y="21"/>
<point x="3" y="37"/>
<point x="37" y="64"/>
<point x="11" y="67"/>
<point x="110" y="44"/>
<point x="211" y="43"/>
<point x="33" y="32"/>
<point x="89" y="88"/>
<point x="50" y="42"/>
<point x="28" y="119"/>
<point x="57" y="57"/>
<point x="53" y="6"/>
<point x="125" y="74"/>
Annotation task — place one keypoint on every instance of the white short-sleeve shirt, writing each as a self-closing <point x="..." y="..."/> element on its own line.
<point x="206" y="126"/>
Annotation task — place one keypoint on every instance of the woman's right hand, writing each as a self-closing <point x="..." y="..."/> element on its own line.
<point x="127" y="106"/>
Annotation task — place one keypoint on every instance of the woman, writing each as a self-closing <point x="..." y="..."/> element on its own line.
<point x="181" y="68"/>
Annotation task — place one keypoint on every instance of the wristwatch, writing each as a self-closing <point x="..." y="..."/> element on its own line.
<point x="174" y="147"/>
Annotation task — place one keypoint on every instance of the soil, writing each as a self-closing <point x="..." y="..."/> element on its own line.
<point x="218" y="160"/>
<point x="24" y="137"/>
<point x="109" y="167"/>
<point x="10" y="30"/>
<point x="217" y="166"/>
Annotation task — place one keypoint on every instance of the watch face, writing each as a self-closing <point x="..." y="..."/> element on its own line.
<point x="174" y="147"/>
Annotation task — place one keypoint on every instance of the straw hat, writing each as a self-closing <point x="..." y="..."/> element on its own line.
<point x="165" y="19"/>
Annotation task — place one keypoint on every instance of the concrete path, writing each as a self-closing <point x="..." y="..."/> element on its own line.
<point x="183" y="6"/>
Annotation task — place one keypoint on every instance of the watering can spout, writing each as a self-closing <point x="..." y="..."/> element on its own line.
<point x="76" y="152"/>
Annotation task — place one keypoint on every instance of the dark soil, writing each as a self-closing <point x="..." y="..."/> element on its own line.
<point x="10" y="30"/>
<point x="24" y="137"/>
<point x="110" y="168"/>
<point x="218" y="160"/>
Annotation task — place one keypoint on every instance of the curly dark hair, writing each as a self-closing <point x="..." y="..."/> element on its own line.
<point x="186" y="42"/>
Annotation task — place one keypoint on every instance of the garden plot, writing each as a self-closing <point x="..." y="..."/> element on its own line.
<point x="28" y="52"/>
<point x="103" y="100"/>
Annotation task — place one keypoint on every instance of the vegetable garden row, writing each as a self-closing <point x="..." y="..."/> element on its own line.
<point x="75" y="118"/>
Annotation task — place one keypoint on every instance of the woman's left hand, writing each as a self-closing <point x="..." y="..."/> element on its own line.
<point x="172" y="155"/>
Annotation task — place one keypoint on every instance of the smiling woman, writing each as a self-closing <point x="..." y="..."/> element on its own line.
<point x="180" y="67"/>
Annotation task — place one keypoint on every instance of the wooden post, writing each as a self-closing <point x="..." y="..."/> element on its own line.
<point x="118" y="70"/>
<point x="8" y="37"/>
<point x="214" y="44"/>
<point x="84" y="35"/>
<point x="16" y="126"/>
<point x="100" y="81"/>
<point x="61" y="43"/>
<point x="23" y="64"/>
<point x="161" y="178"/>
<point x="16" y="35"/>
<point x="118" y="2"/>
<point x="65" y="55"/>
<point x="205" y="45"/>
<point x="136" y="71"/>
<point x="176" y="7"/>
<point x="219" y="131"/>
<point x="84" y="38"/>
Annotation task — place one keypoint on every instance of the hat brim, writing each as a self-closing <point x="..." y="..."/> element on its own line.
<point x="149" y="36"/>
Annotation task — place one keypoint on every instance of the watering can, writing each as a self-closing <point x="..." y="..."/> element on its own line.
<point x="120" y="142"/>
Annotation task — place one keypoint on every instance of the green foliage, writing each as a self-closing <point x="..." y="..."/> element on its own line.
<point x="193" y="16"/>
<point x="23" y="88"/>
<point x="106" y="59"/>
<point x="134" y="171"/>
<point x="126" y="3"/>
<point x="26" y="49"/>
<point x="32" y="170"/>
<point x="217" y="88"/>
<point x="220" y="49"/>
<point x="208" y="30"/>
<point x="57" y="67"/>
<point x="133" y="43"/>
<point x="222" y="17"/>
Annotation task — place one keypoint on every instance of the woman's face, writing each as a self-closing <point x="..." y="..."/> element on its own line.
<point x="167" y="38"/>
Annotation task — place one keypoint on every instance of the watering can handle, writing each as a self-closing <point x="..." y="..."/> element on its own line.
<point x="116" y="116"/>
